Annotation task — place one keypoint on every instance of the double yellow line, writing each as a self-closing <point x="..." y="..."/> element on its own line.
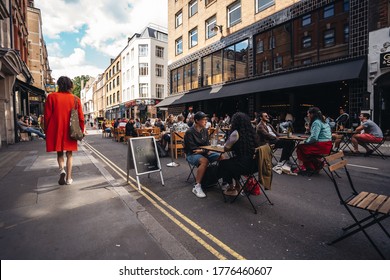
<point x="159" y="203"/>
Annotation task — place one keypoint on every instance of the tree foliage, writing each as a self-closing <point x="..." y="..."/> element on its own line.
<point x="77" y="83"/>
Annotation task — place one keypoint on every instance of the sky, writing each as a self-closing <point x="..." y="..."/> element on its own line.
<point x="82" y="35"/>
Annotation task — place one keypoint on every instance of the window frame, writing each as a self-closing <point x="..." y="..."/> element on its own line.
<point x="191" y="34"/>
<point x="143" y="50"/>
<point x="264" y="6"/>
<point x="143" y="68"/>
<point x="160" y="89"/>
<point x="143" y="86"/>
<point x="160" y="69"/>
<point x="159" y="51"/>
<point x="232" y="8"/>
<point x="328" y="31"/>
<point x="191" y="5"/>
<point x="179" y="18"/>
<point x="329" y="9"/>
<point x="179" y="42"/>
<point x="303" y="42"/>
<point x="210" y="23"/>
<point x="305" y="18"/>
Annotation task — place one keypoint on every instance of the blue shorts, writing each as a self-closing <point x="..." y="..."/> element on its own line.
<point x="194" y="158"/>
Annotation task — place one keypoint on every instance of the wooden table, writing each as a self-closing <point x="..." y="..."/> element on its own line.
<point x="217" y="149"/>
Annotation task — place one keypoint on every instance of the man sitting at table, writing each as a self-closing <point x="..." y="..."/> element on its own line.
<point x="195" y="137"/>
<point x="267" y="134"/>
<point x="370" y="132"/>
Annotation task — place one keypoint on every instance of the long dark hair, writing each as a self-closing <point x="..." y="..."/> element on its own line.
<point x="317" y="115"/>
<point x="246" y="144"/>
<point x="64" y="84"/>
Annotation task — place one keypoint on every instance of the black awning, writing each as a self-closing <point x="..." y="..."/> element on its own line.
<point x="30" y="88"/>
<point x="317" y="75"/>
<point x="169" y="100"/>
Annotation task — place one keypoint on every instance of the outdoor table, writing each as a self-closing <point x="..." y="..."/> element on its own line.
<point x="297" y="139"/>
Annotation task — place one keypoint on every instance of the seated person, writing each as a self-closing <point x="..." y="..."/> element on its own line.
<point x="195" y="137"/>
<point x="158" y="123"/>
<point x="287" y="123"/>
<point x="24" y="126"/>
<point x="148" y="123"/>
<point x="318" y="143"/>
<point x="116" y="123"/>
<point x="341" y="120"/>
<point x="370" y="133"/>
<point x="242" y="142"/>
<point x="267" y="134"/>
<point x="130" y="128"/>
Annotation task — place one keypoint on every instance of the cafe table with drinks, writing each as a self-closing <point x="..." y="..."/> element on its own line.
<point x="297" y="139"/>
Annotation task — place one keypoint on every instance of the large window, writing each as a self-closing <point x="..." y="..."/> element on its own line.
<point x="234" y="13"/>
<point x="227" y="65"/>
<point x="159" y="70"/>
<point x="143" y="69"/>
<point x="346" y="33"/>
<point x="159" y="91"/>
<point x="210" y="24"/>
<point x="184" y="77"/>
<point x="193" y="37"/>
<point x="160" y="52"/>
<point x="192" y="8"/>
<point x="143" y="50"/>
<point x="143" y="90"/>
<point x="179" y="45"/>
<point x="329" y="38"/>
<point x="179" y="19"/>
<point x="264" y="4"/>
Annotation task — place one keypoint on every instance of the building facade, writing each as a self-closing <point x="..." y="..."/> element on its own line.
<point x="228" y="56"/>
<point x="15" y="78"/>
<point x="37" y="62"/>
<point x="144" y="72"/>
<point x="378" y="85"/>
<point x="112" y="90"/>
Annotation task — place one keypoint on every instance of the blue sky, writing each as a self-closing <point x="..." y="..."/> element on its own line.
<point x="81" y="35"/>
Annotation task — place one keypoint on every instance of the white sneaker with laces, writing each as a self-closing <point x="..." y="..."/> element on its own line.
<point x="69" y="181"/>
<point x="198" y="192"/>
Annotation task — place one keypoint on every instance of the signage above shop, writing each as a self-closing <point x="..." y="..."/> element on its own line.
<point x="385" y="60"/>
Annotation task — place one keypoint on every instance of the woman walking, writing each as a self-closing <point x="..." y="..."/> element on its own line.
<point x="57" y="119"/>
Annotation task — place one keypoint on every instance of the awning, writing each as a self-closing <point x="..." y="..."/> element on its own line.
<point x="30" y="88"/>
<point x="169" y="100"/>
<point x="313" y="76"/>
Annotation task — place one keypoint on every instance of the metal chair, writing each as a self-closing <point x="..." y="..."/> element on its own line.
<point x="375" y="147"/>
<point x="376" y="206"/>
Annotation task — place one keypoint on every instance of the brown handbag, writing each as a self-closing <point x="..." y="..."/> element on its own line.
<point x="75" y="131"/>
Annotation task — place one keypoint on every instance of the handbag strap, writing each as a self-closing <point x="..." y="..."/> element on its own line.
<point x="75" y="103"/>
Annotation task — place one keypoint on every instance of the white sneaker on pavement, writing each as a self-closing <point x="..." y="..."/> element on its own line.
<point x="198" y="192"/>
<point x="69" y="181"/>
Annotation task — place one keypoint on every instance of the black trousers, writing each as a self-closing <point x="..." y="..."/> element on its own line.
<point x="287" y="147"/>
<point x="235" y="167"/>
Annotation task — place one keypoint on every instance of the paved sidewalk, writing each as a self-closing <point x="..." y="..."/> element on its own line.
<point x="94" y="218"/>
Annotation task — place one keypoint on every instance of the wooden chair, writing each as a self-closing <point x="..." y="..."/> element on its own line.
<point x="177" y="143"/>
<point x="119" y="134"/>
<point x="375" y="206"/>
<point x="143" y="132"/>
<point x="156" y="132"/>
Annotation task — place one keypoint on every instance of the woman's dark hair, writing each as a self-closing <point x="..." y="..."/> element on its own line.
<point x="246" y="144"/>
<point x="64" y="84"/>
<point x="317" y="115"/>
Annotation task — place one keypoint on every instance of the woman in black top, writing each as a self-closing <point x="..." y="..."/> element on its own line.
<point x="242" y="144"/>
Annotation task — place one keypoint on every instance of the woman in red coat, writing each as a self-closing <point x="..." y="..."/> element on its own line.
<point x="57" y="119"/>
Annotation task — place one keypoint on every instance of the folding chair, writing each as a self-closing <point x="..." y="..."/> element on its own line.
<point x="192" y="167"/>
<point x="243" y="180"/>
<point x="376" y="206"/>
<point x="375" y="147"/>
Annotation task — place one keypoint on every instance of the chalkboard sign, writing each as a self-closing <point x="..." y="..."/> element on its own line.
<point x="143" y="157"/>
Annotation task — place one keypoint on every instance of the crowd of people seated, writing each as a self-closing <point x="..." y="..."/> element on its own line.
<point x="245" y="134"/>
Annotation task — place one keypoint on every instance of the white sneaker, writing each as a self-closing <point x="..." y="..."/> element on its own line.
<point x="280" y="163"/>
<point x="198" y="192"/>
<point x="69" y="181"/>
<point x="225" y="186"/>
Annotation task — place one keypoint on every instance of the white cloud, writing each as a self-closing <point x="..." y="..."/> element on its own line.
<point x="73" y="65"/>
<point x="107" y="23"/>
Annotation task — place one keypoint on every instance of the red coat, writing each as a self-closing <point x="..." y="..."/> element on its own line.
<point x="57" y="119"/>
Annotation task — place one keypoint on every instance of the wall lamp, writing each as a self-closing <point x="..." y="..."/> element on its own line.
<point x="217" y="27"/>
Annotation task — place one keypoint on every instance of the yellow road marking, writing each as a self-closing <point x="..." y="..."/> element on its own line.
<point x="222" y="245"/>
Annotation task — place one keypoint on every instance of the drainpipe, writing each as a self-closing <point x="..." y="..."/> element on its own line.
<point x="11" y="24"/>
